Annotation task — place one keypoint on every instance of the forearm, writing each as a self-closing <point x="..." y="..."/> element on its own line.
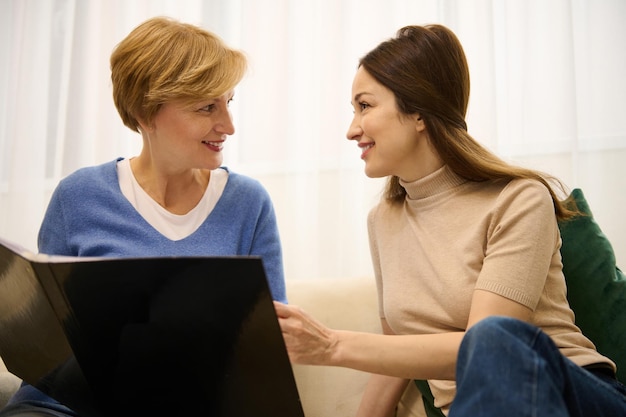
<point x="309" y="342"/>
<point x="404" y="356"/>
<point x="381" y="396"/>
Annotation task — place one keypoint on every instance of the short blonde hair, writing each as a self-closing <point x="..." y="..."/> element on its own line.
<point x="163" y="60"/>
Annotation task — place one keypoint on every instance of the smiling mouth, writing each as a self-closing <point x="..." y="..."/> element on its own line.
<point x="365" y="148"/>
<point x="215" y="146"/>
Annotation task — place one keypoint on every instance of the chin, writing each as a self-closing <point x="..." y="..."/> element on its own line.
<point x="373" y="173"/>
<point x="215" y="164"/>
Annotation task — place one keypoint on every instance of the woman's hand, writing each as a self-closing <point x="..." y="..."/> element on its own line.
<point x="308" y="341"/>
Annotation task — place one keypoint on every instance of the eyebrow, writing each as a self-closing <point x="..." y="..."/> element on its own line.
<point x="359" y="95"/>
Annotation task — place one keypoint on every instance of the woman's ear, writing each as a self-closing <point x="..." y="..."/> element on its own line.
<point x="420" y="126"/>
<point x="144" y="126"/>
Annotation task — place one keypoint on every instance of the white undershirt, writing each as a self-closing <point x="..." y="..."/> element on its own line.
<point x="172" y="226"/>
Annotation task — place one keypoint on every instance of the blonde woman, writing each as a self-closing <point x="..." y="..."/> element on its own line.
<point x="172" y="83"/>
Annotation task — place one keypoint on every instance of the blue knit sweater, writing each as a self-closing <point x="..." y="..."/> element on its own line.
<point x="89" y="216"/>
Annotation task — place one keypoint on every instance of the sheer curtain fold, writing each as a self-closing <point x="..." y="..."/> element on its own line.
<point x="547" y="92"/>
<point x="26" y="52"/>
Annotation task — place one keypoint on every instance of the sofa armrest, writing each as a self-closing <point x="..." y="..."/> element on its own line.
<point x="347" y="304"/>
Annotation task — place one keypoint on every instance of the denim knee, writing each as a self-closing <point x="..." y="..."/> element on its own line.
<point x="502" y="364"/>
<point x="497" y="340"/>
<point x="495" y="331"/>
<point x="500" y="328"/>
<point x="31" y="410"/>
<point x="509" y="367"/>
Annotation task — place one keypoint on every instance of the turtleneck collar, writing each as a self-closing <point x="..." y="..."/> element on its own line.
<point x="439" y="181"/>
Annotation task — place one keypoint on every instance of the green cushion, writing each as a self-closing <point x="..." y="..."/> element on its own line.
<point x="428" y="399"/>
<point x="596" y="287"/>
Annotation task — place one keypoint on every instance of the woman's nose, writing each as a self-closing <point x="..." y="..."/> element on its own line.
<point x="226" y="124"/>
<point x="354" y="130"/>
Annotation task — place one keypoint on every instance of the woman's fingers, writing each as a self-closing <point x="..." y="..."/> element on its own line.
<point x="307" y="340"/>
<point x="282" y="310"/>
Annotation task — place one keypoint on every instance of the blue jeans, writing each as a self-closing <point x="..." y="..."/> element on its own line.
<point x="30" y="402"/>
<point x="507" y="367"/>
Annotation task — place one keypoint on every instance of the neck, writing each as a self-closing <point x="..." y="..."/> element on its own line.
<point x="178" y="191"/>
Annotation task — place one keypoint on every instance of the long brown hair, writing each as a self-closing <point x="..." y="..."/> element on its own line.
<point x="426" y="69"/>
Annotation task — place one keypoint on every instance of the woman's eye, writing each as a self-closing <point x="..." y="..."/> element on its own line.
<point x="363" y="105"/>
<point x="208" y="108"/>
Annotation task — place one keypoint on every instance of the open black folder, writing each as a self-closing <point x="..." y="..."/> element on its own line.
<point x="146" y="336"/>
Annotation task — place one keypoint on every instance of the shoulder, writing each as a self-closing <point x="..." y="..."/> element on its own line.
<point x="383" y="208"/>
<point x="246" y="185"/>
<point x="87" y="183"/>
<point x="88" y="176"/>
<point x="381" y="215"/>
<point x="374" y="212"/>
<point x="525" y="194"/>
<point x="524" y="205"/>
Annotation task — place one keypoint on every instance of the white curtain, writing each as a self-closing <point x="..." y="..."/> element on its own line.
<point x="548" y="92"/>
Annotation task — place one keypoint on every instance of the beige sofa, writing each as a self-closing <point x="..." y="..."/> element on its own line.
<point x="349" y="305"/>
<point x="324" y="391"/>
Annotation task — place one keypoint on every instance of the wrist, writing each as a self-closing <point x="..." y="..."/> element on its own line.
<point x="336" y="351"/>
